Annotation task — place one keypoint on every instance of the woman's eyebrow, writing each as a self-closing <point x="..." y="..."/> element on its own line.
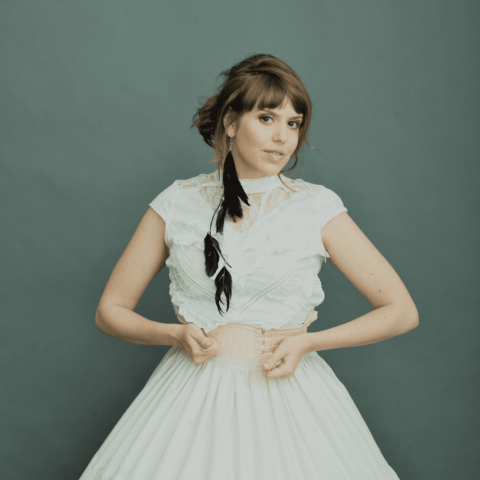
<point x="275" y="114"/>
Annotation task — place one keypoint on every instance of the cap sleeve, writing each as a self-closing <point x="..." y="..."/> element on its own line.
<point x="329" y="205"/>
<point x="163" y="202"/>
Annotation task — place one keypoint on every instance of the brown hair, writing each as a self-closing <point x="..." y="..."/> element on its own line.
<point x="260" y="78"/>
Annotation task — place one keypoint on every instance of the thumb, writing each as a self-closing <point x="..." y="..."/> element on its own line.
<point x="207" y="343"/>
<point x="204" y="341"/>
<point x="268" y="364"/>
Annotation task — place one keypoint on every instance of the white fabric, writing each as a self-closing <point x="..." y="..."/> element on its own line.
<point x="208" y="422"/>
<point x="203" y="422"/>
<point x="275" y="252"/>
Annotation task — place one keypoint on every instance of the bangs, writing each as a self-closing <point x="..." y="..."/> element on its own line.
<point x="260" y="82"/>
<point x="268" y="91"/>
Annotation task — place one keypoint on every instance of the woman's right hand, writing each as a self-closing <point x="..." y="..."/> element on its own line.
<point x="191" y="338"/>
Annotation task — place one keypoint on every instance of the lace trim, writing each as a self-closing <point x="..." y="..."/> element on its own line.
<point x="261" y="204"/>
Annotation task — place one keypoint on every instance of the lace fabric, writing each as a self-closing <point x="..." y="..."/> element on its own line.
<point x="261" y="203"/>
<point x="275" y="251"/>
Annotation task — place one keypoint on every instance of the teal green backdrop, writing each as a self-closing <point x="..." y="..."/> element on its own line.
<point x="97" y="100"/>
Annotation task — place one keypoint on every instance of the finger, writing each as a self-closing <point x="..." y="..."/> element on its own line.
<point x="272" y="363"/>
<point x="196" y="348"/>
<point x="200" y="354"/>
<point x="202" y="340"/>
<point x="211" y="347"/>
<point x="277" y="373"/>
<point x="280" y="371"/>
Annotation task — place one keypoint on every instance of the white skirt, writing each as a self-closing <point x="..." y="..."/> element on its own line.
<point x="204" y="422"/>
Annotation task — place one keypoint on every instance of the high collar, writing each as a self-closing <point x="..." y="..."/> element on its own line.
<point x="255" y="185"/>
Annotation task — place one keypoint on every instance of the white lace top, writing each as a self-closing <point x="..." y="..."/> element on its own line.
<point x="275" y="252"/>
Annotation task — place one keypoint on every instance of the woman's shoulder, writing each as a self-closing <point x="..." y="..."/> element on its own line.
<point x="197" y="182"/>
<point x="325" y="203"/>
<point x="319" y="191"/>
<point x="176" y="190"/>
<point x="189" y="184"/>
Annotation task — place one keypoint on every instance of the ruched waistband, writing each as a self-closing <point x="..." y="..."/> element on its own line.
<point x="250" y="343"/>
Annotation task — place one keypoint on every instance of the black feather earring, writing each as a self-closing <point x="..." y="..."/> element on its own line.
<point x="229" y="206"/>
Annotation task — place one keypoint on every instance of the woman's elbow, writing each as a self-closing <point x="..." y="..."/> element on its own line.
<point x="410" y="318"/>
<point x="99" y="320"/>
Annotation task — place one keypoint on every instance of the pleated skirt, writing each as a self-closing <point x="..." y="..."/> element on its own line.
<point x="224" y="420"/>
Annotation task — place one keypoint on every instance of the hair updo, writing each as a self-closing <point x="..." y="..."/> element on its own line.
<point x="260" y="78"/>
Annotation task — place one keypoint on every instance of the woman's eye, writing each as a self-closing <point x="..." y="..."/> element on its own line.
<point x="293" y="121"/>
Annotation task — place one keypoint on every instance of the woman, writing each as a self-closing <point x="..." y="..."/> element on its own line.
<point x="242" y="393"/>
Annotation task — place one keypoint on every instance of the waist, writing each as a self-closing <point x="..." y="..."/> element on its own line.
<point x="247" y="343"/>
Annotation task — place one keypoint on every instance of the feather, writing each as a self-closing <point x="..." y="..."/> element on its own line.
<point x="211" y="254"/>
<point x="220" y="219"/>
<point x="233" y="190"/>
<point x="229" y="206"/>
<point x="223" y="282"/>
<point x="230" y="179"/>
<point x="232" y="207"/>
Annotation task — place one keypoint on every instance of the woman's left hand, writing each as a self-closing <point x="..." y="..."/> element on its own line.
<point x="284" y="360"/>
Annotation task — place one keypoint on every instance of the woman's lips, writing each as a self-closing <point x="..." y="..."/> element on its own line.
<point x="273" y="155"/>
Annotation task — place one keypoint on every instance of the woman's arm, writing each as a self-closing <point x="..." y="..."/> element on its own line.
<point x="355" y="256"/>
<point x="141" y="261"/>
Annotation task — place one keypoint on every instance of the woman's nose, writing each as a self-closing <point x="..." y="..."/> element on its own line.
<point x="280" y="134"/>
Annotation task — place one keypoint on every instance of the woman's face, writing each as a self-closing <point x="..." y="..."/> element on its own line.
<point x="259" y="132"/>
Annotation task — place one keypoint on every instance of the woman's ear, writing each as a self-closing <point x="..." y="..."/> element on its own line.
<point x="229" y="126"/>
